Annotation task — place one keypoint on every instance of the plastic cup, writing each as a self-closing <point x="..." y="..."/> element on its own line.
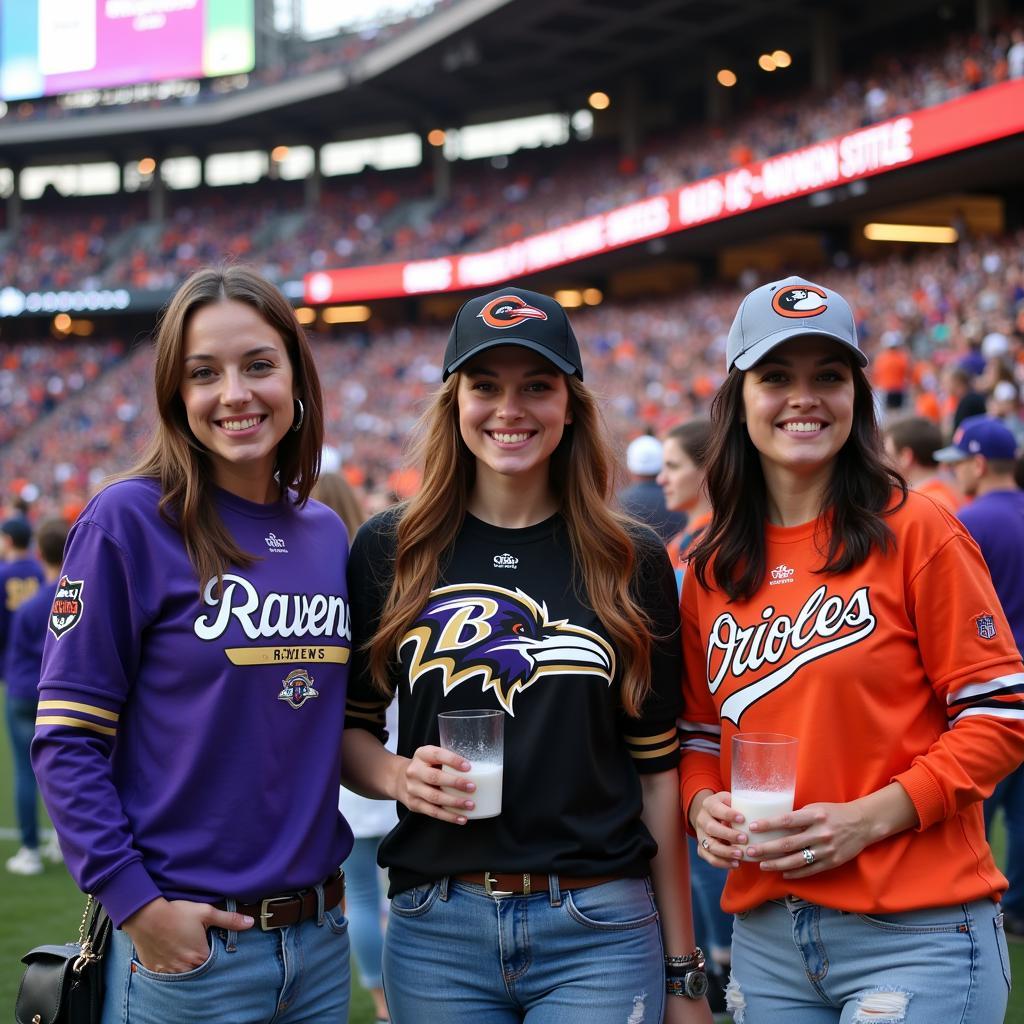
<point x="479" y="737"/>
<point x="763" y="779"/>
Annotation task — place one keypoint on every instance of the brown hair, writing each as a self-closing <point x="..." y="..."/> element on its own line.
<point x="859" y="495"/>
<point x="693" y="437"/>
<point x="582" y="479"/>
<point x="920" y="435"/>
<point x="176" y="458"/>
<point x="338" y="494"/>
<point x="51" y="537"/>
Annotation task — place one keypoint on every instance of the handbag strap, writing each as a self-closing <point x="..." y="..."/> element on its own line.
<point x="93" y="935"/>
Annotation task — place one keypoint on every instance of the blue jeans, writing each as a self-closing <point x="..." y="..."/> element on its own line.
<point x="797" y="963"/>
<point x="21" y="724"/>
<point x="590" y="956"/>
<point x="296" y="975"/>
<point x="363" y="899"/>
<point x="1009" y="795"/>
<point x="711" y="924"/>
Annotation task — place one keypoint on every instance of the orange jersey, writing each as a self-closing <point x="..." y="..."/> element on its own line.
<point x="945" y="493"/>
<point x="679" y="546"/>
<point x="891" y="370"/>
<point x="903" y="669"/>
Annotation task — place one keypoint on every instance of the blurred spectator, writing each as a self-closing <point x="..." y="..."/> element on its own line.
<point x="21" y="673"/>
<point x="911" y="443"/>
<point x="643" y="498"/>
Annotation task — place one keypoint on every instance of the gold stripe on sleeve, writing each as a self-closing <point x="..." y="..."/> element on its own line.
<point x="644" y="755"/>
<point x="70" y="705"/>
<point x="377" y="719"/>
<point x="646" y="741"/>
<point x="79" y="723"/>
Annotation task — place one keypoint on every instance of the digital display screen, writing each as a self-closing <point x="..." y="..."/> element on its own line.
<point x="48" y="47"/>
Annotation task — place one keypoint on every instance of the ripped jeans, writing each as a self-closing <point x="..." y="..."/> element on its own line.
<point x="794" y="962"/>
<point x="453" y="954"/>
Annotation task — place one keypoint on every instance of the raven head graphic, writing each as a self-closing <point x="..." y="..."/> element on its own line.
<point x="502" y="638"/>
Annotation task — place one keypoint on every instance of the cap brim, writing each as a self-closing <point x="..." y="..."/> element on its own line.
<point x="754" y="354"/>
<point x="950" y="454"/>
<point x="563" y="364"/>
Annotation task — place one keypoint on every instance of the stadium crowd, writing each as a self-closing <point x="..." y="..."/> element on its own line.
<point x="933" y="323"/>
<point x="385" y="216"/>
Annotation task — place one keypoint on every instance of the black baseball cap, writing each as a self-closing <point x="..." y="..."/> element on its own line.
<point x="18" y="530"/>
<point x="513" y="316"/>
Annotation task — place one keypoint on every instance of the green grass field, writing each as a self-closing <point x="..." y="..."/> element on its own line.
<point x="48" y="907"/>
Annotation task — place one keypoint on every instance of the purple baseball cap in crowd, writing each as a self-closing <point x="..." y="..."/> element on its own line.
<point x="979" y="435"/>
<point x="786" y="309"/>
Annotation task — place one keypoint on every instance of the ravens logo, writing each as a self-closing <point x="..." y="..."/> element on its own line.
<point x="503" y="639"/>
<point x="798" y="301"/>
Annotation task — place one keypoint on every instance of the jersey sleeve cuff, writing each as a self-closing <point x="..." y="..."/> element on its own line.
<point x="925" y="795"/>
<point x="653" y="746"/>
<point x="128" y="890"/>
<point x="368" y="715"/>
<point x="700" y="771"/>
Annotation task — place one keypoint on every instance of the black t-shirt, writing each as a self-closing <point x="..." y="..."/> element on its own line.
<point x="571" y="798"/>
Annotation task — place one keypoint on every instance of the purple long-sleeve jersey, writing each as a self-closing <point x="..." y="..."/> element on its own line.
<point x="190" y="746"/>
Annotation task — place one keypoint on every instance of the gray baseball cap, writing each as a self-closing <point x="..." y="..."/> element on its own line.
<point x="786" y="309"/>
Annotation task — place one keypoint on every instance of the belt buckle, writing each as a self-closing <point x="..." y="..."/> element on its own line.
<point x="489" y="881"/>
<point x="266" y="913"/>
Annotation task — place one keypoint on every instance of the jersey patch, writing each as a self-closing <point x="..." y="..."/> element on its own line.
<point x="501" y="638"/>
<point x="986" y="626"/>
<point x="298" y="688"/>
<point x="68" y="605"/>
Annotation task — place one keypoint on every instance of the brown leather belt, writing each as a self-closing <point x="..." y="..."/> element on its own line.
<point x="498" y="883"/>
<point x="292" y="907"/>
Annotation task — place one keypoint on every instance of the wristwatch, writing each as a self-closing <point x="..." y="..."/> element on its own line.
<point x="685" y="975"/>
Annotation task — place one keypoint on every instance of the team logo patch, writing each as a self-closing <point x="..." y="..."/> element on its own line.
<point x="505" y="561"/>
<point x="67" y="608"/>
<point x="298" y="688"/>
<point x="509" y="311"/>
<point x="781" y="574"/>
<point x="502" y="639"/>
<point x="986" y="626"/>
<point x="798" y="301"/>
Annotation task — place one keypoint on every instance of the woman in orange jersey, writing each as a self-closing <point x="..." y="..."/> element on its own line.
<point x="682" y="481"/>
<point x="827" y="602"/>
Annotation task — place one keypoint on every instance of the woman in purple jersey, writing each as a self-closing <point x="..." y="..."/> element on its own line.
<point x="193" y="686"/>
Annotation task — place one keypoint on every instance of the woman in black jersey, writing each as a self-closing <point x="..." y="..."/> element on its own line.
<point x="507" y="583"/>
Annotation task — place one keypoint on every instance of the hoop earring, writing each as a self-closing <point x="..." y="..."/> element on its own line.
<point x="297" y="425"/>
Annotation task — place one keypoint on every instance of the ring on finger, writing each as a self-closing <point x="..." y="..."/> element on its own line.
<point x="704" y="842"/>
<point x="808" y="855"/>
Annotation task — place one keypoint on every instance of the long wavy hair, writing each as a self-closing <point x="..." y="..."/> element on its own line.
<point x="175" y="457"/>
<point x="582" y="480"/>
<point x="858" y="498"/>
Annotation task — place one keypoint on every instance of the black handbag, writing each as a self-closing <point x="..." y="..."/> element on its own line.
<point x="64" y="984"/>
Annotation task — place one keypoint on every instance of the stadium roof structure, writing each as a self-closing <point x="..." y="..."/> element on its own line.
<point x="473" y="61"/>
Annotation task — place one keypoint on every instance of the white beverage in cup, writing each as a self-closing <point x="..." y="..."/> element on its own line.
<point x="479" y="737"/>
<point x="486" y="796"/>
<point x="763" y="781"/>
<point x="756" y="805"/>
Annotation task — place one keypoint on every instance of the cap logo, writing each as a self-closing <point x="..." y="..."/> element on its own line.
<point x="509" y="311"/>
<point x="799" y="301"/>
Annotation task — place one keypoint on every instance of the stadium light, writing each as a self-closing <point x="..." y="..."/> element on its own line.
<point x="782" y="58"/>
<point x="305" y="315"/>
<point x="765" y="62"/>
<point x="570" y="298"/>
<point x="147" y="165"/>
<point x="62" y="323"/>
<point x="279" y="153"/>
<point x="910" y="233"/>
<point x="593" y="296"/>
<point x="436" y="137"/>
<point x="346" y="314"/>
<point x="726" y="77"/>
<point x="599" y="100"/>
